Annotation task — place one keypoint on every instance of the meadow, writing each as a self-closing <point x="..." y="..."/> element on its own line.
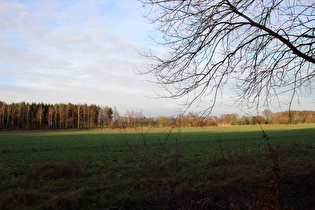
<point x="194" y="168"/>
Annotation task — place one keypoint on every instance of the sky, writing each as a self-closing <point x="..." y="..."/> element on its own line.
<point x="85" y="51"/>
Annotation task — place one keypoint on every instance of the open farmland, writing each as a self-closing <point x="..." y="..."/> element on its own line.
<point x="138" y="168"/>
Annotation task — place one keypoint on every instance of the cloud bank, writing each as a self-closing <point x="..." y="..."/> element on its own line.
<point x="78" y="52"/>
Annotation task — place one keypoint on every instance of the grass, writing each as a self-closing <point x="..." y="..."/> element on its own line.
<point x="191" y="168"/>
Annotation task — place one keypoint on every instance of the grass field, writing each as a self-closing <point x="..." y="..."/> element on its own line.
<point x="184" y="168"/>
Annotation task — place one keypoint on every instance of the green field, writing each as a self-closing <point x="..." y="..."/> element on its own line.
<point x="56" y="147"/>
<point x="124" y="168"/>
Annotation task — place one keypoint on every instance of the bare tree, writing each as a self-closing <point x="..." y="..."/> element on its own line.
<point x="260" y="48"/>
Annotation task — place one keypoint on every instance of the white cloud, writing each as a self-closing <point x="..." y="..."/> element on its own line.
<point x="78" y="52"/>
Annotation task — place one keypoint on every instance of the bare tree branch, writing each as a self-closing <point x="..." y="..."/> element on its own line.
<point x="265" y="47"/>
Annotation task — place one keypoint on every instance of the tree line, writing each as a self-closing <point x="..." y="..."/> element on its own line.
<point x="40" y="116"/>
<point x="267" y="117"/>
<point x="34" y="116"/>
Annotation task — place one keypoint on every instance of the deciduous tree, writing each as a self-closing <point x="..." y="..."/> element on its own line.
<point x="262" y="48"/>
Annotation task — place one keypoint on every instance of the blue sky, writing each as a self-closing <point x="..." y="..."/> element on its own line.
<point x="84" y="52"/>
